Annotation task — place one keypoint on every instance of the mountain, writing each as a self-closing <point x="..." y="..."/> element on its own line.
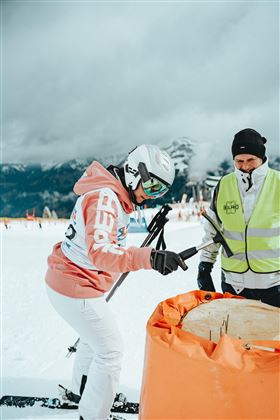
<point x="38" y="185"/>
<point x="181" y="150"/>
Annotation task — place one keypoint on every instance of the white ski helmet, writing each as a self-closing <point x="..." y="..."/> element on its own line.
<point x="154" y="164"/>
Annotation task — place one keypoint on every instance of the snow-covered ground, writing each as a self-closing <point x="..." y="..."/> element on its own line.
<point x="35" y="339"/>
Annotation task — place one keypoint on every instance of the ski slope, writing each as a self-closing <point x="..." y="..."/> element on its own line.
<point x="35" y="339"/>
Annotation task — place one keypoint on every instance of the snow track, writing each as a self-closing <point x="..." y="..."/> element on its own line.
<point x="34" y="338"/>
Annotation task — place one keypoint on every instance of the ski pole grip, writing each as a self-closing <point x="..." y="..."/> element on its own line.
<point x="159" y="219"/>
<point x="188" y="253"/>
<point x="166" y="209"/>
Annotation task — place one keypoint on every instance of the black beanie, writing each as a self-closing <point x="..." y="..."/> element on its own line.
<point x="248" y="141"/>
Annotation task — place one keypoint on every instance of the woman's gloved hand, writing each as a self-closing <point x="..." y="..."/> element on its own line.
<point x="166" y="261"/>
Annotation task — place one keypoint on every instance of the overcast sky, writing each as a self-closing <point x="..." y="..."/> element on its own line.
<point x="83" y="79"/>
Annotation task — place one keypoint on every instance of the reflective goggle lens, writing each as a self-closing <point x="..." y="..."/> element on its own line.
<point x="154" y="188"/>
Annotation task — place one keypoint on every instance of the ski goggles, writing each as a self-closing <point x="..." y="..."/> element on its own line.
<point x="153" y="187"/>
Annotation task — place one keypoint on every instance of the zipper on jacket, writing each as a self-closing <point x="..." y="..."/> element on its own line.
<point x="246" y="255"/>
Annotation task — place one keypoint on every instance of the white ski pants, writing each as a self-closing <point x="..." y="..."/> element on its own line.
<point x="99" y="352"/>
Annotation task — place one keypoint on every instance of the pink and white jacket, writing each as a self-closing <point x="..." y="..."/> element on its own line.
<point x="93" y="253"/>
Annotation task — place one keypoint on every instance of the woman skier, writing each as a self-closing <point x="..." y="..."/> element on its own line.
<point x="85" y="265"/>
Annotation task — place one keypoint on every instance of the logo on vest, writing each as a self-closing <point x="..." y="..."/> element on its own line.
<point x="231" y="207"/>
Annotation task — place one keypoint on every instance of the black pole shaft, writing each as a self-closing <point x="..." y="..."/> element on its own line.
<point x="148" y="240"/>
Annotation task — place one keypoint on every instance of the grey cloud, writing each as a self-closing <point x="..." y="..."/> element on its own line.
<point x="90" y="78"/>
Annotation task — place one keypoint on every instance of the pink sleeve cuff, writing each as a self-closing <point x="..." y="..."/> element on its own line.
<point x="141" y="258"/>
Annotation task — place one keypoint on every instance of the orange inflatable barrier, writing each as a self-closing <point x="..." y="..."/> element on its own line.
<point x="187" y="376"/>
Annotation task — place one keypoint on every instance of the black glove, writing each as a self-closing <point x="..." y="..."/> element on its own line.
<point x="204" y="279"/>
<point x="166" y="261"/>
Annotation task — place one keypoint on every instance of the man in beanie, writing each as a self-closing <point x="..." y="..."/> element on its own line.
<point x="245" y="204"/>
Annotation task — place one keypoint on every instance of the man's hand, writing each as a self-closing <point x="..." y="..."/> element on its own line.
<point x="166" y="261"/>
<point x="204" y="279"/>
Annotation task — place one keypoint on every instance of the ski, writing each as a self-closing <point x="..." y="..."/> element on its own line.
<point x="22" y="402"/>
<point x="114" y="417"/>
<point x="120" y="405"/>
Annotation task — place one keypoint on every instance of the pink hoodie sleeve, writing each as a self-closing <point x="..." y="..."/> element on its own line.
<point x="100" y="217"/>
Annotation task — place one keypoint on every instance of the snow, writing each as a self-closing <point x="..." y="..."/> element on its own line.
<point x="6" y="168"/>
<point x="35" y="339"/>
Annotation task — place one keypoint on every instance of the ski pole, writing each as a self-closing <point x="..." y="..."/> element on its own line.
<point x="73" y="348"/>
<point x="155" y="227"/>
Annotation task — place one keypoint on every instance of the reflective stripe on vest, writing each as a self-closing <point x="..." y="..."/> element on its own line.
<point x="256" y="245"/>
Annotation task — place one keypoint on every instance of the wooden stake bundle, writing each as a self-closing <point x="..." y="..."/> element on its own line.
<point x="240" y="318"/>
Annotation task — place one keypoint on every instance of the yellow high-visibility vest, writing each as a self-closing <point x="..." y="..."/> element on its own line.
<point x="256" y="246"/>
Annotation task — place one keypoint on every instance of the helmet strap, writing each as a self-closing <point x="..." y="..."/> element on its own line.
<point x="143" y="171"/>
<point x="132" y="195"/>
<point x="118" y="173"/>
